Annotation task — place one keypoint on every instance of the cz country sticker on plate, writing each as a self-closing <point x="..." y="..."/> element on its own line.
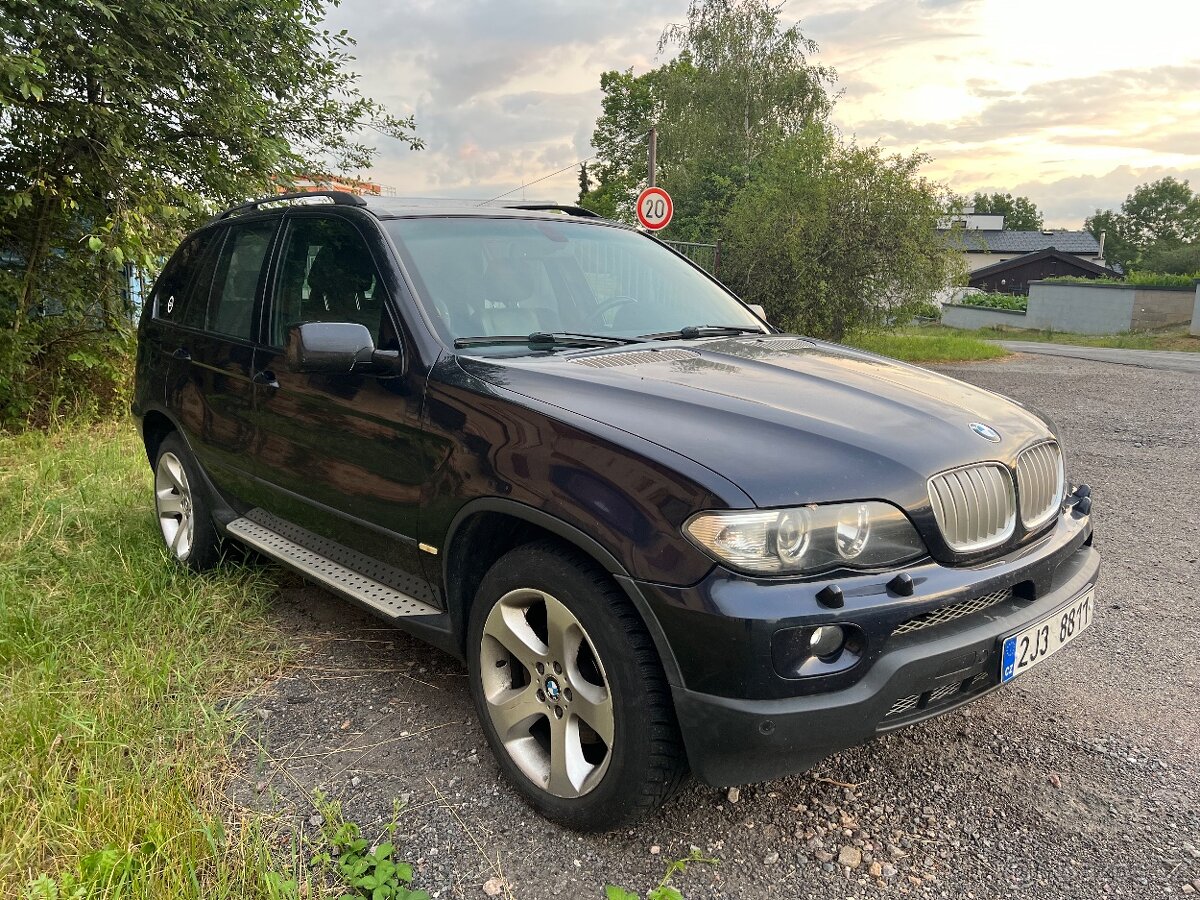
<point x="1025" y="649"/>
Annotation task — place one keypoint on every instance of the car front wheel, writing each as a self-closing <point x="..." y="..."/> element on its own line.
<point x="570" y="691"/>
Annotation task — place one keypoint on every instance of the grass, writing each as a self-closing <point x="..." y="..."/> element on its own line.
<point x="1134" y="340"/>
<point x="930" y="344"/>
<point x="111" y="663"/>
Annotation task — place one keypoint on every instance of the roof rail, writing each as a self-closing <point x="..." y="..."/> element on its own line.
<point x="554" y="207"/>
<point x="339" y="198"/>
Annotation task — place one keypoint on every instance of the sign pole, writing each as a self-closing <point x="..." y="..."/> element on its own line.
<point x="653" y="160"/>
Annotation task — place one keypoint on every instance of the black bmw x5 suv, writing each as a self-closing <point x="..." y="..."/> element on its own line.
<point x="662" y="535"/>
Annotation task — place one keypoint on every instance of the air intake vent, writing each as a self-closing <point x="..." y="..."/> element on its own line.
<point x="1040" y="482"/>
<point x="975" y="506"/>
<point x="953" y="611"/>
<point x="634" y="358"/>
<point x="787" y="344"/>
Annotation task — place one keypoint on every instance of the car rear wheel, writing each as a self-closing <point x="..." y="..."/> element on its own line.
<point x="570" y="691"/>
<point x="183" y="517"/>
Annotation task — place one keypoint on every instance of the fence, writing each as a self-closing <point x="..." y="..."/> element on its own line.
<point x="706" y="256"/>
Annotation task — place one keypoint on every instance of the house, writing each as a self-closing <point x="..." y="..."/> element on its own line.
<point x="1012" y="275"/>
<point x="985" y="241"/>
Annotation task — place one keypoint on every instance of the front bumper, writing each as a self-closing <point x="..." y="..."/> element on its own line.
<point x="763" y="726"/>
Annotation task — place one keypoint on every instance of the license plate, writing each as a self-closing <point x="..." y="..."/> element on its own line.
<point x="1025" y="649"/>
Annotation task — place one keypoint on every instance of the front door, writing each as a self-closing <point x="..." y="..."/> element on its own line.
<point x="342" y="455"/>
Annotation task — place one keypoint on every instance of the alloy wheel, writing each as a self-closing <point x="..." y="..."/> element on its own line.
<point x="547" y="693"/>
<point x="173" y="502"/>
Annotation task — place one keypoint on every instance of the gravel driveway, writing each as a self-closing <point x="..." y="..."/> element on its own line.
<point x="1082" y="779"/>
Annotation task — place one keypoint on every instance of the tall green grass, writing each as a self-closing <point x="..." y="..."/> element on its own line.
<point x="926" y="345"/>
<point x="111" y="660"/>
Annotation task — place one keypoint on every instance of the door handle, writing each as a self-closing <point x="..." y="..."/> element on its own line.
<point x="181" y="353"/>
<point x="266" y="378"/>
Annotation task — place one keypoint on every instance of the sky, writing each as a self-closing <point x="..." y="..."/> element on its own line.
<point x="1071" y="104"/>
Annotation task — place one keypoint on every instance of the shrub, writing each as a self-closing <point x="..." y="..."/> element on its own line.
<point x="998" y="301"/>
<point x="1134" y="279"/>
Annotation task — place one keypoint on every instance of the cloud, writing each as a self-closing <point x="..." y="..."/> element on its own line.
<point x="1100" y="106"/>
<point x="506" y="91"/>
<point x="1069" y="200"/>
<point x="858" y="32"/>
<point x="502" y="90"/>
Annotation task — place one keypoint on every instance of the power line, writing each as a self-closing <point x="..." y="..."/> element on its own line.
<point x="543" y="178"/>
<point x="551" y="175"/>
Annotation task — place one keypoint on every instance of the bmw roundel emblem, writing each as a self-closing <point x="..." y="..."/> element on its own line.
<point x="987" y="432"/>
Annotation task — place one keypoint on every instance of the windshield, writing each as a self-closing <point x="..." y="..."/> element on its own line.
<point x="481" y="277"/>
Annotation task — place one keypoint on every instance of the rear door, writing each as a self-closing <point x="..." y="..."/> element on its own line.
<point x="210" y="387"/>
<point x="343" y="456"/>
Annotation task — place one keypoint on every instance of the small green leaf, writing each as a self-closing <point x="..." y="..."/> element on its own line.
<point x="612" y="892"/>
<point x="666" y="892"/>
<point x="95" y="244"/>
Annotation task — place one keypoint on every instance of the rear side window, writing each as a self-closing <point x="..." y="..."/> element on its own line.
<point x="177" y="283"/>
<point x="236" y="278"/>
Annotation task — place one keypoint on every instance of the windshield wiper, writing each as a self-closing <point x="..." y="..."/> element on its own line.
<point x="692" y="332"/>
<point x="545" y="339"/>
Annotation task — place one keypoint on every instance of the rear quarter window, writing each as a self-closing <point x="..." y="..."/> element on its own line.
<point x="177" y="283"/>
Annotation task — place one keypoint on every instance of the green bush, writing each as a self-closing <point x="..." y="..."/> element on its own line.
<point x="997" y="301"/>
<point x="1134" y="279"/>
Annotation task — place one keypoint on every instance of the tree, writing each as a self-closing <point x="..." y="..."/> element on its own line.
<point x="1020" y="213"/>
<point x="1155" y="221"/>
<point x="585" y="180"/>
<point x="831" y="237"/>
<point x="1118" y="249"/>
<point x="124" y="122"/>
<point x="739" y="84"/>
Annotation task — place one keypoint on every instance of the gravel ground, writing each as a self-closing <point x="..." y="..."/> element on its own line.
<point x="1082" y="779"/>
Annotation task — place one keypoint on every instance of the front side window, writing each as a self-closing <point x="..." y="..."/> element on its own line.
<point x="326" y="275"/>
<point x="235" y="281"/>
<point x="511" y="276"/>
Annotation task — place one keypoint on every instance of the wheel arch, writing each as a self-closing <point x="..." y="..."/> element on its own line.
<point x="487" y="528"/>
<point x="156" y="425"/>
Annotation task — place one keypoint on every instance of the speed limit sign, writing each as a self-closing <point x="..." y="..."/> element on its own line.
<point x="654" y="208"/>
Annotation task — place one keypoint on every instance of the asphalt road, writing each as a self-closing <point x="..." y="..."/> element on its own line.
<point x="1081" y="779"/>
<point x="1164" y="360"/>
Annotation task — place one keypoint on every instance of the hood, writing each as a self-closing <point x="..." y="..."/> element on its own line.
<point x="788" y="420"/>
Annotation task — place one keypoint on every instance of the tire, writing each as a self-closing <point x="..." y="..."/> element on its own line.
<point x="570" y="691"/>
<point x="181" y="507"/>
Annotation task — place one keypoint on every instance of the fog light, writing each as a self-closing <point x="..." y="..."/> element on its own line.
<point x="826" y="640"/>
<point x="808" y="651"/>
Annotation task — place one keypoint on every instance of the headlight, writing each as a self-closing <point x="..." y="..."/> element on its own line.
<point x="865" y="535"/>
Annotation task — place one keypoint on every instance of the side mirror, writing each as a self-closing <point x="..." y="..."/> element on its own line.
<point x="335" y="348"/>
<point x="758" y="310"/>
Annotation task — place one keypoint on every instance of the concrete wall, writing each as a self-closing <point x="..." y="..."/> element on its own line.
<point x="1106" y="308"/>
<point x="1162" y="307"/>
<point x="1081" y="308"/>
<point x="959" y="316"/>
<point x="1195" y="329"/>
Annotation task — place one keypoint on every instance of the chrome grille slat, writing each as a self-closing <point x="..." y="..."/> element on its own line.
<point x="1040" y="481"/>
<point x="975" y="506"/>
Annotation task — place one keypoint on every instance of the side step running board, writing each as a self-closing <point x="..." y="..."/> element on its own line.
<point x="338" y="578"/>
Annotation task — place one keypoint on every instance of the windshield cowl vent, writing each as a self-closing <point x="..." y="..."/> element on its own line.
<point x="634" y="358"/>
<point x="786" y="344"/>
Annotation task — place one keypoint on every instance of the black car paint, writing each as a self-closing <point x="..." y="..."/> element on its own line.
<point x="614" y="461"/>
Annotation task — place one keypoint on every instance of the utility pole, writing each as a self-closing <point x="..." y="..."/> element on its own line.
<point x="653" y="160"/>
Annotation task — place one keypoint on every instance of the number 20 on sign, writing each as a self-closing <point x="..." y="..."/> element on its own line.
<point x="654" y="208"/>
